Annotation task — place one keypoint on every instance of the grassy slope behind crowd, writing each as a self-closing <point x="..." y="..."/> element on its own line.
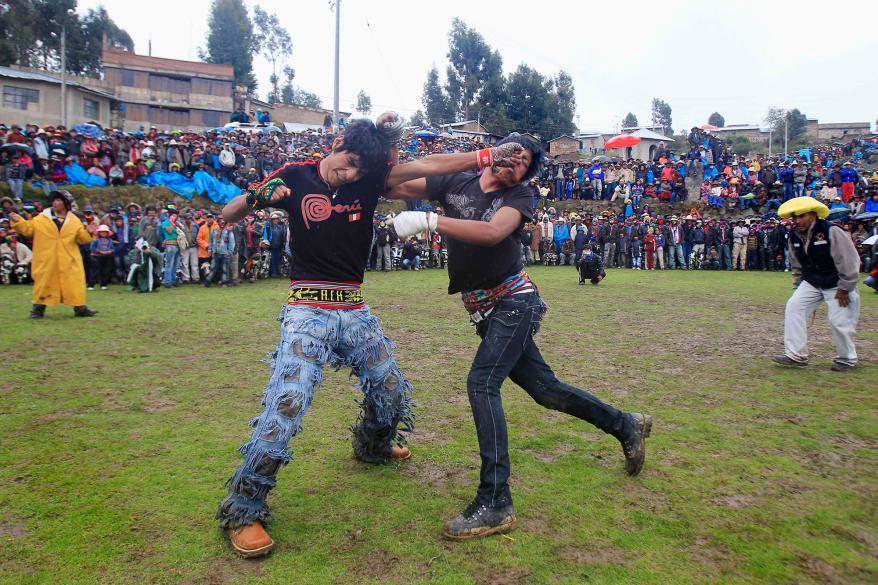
<point x="119" y="432"/>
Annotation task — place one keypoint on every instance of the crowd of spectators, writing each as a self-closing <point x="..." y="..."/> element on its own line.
<point x="194" y="245"/>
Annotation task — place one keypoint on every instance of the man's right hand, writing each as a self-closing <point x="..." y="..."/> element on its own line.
<point x="15" y="217"/>
<point x="281" y="192"/>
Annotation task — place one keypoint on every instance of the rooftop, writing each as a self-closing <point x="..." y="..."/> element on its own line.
<point x="121" y="58"/>
<point x="47" y="77"/>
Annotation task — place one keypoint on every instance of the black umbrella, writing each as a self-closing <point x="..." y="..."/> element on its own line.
<point x="17" y="147"/>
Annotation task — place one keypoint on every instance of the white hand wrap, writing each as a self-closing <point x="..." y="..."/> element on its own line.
<point x="409" y="223"/>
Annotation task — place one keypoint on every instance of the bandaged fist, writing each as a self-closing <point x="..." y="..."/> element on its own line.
<point x="409" y="223"/>
<point x="390" y="127"/>
<point x="505" y="155"/>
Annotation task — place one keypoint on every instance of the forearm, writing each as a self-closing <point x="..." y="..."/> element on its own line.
<point x="433" y="166"/>
<point x="475" y="232"/>
<point x="236" y="209"/>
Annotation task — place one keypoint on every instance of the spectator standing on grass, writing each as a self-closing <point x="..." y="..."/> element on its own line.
<point x="739" y="246"/>
<point x="825" y="267"/>
<point x="58" y="274"/>
<point x="189" y="255"/>
<point x="171" y="255"/>
<point x="275" y="236"/>
<point x="222" y="243"/>
<point x="16" y="173"/>
<point x="205" y="234"/>
<point x="101" y="255"/>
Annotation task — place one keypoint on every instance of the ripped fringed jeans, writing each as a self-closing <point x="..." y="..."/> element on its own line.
<point x="311" y="338"/>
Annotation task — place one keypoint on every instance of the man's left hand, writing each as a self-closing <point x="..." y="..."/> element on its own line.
<point x="409" y="223"/>
<point x="843" y="298"/>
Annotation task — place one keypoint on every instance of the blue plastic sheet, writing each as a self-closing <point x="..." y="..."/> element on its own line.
<point x="89" y="130"/>
<point x="201" y="183"/>
<point x="76" y="175"/>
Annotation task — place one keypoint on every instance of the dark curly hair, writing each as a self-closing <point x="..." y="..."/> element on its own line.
<point x="535" y="148"/>
<point x="362" y="139"/>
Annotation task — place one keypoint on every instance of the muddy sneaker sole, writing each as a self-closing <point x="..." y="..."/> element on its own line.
<point x="481" y="532"/>
<point x="634" y="462"/>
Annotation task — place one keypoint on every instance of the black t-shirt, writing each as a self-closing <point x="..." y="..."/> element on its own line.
<point x="472" y="267"/>
<point x="330" y="232"/>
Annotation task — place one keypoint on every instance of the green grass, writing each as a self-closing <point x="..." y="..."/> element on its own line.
<point x="118" y="433"/>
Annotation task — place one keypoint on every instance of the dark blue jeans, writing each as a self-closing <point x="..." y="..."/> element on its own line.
<point x="508" y="350"/>
<point x="274" y="266"/>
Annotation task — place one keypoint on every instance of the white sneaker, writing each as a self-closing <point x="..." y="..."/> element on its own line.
<point x="90" y="288"/>
<point x="103" y="288"/>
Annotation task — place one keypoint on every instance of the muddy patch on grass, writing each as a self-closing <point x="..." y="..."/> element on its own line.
<point x="819" y="570"/>
<point x="514" y="576"/>
<point x="434" y="474"/>
<point x="60" y="415"/>
<point x="379" y="566"/>
<point x="594" y="553"/>
<point x="551" y="454"/>
<point x="228" y="569"/>
<point x="735" y="501"/>
<point x="711" y="558"/>
<point x="12" y="528"/>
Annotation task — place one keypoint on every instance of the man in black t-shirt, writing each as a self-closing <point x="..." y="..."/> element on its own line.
<point x="483" y="215"/>
<point x="325" y="320"/>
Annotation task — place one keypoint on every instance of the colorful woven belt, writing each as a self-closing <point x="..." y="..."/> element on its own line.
<point x="484" y="300"/>
<point x="325" y="295"/>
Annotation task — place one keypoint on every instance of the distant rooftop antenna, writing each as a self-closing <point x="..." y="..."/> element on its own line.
<point x="149" y="50"/>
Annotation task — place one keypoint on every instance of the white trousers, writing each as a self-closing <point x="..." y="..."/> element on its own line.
<point x="842" y="322"/>
<point x="189" y="264"/>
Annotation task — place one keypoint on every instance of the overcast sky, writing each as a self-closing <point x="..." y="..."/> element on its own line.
<point x="738" y="58"/>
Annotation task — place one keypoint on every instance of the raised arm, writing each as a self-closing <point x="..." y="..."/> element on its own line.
<point x="471" y="231"/>
<point x="446" y="164"/>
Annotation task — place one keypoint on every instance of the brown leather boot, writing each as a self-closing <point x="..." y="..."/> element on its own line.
<point x="251" y="540"/>
<point x="399" y="453"/>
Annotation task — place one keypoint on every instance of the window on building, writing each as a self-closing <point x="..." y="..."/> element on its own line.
<point x="91" y="109"/>
<point x="211" y="118"/>
<point x="19" y="97"/>
<point x="127" y="78"/>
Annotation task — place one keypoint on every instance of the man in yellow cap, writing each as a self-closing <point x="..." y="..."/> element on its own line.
<point x="825" y="268"/>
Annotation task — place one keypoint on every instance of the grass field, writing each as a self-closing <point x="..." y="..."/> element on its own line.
<point x="117" y="434"/>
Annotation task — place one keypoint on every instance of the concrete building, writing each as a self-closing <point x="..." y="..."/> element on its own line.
<point x="295" y="114"/>
<point x="843" y="131"/>
<point x="167" y="93"/>
<point x="753" y="133"/>
<point x="649" y="143"/>
<point x="565" y="148"/>
<point x="34" y="97"/>
<point x="592" y="143"/>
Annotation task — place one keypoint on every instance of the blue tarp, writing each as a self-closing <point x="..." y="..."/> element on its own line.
<point x="76" y="175"/>
<point x="89" y="130"/>
<point x="200" y="183"/>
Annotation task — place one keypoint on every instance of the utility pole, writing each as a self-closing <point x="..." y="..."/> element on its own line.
<point x="64" y="66"/>
<point x="64" y="73"/>
<point x="786" y="119"/>
<point x="769" y="141"/>
<point x="335" y="94"/>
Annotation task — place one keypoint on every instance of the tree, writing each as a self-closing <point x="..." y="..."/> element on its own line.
<point x="796" y="122"/>
<point x="629" y="121"/>
<point x="717" y="120"/>
<point x="661" y="115"/>
<point x="435" y="101"/>
<point x="275" y="44"/>
<point x="230" y="40"/>
<point x="419" y="119"/>
<point x="741" y="145"/>
<point x="364" y="103"/>
<point x="471" y="63"/>
<point x="30" y="35"/>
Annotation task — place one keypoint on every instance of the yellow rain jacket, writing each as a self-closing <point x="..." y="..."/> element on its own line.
<point x="59" y="277"/>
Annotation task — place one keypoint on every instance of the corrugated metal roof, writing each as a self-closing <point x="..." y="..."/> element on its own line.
<point x="47" y="77"/>
<point x="650" y="135"/>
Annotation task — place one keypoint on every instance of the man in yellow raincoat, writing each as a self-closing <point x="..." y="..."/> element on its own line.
<point x="59" y="277"/>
